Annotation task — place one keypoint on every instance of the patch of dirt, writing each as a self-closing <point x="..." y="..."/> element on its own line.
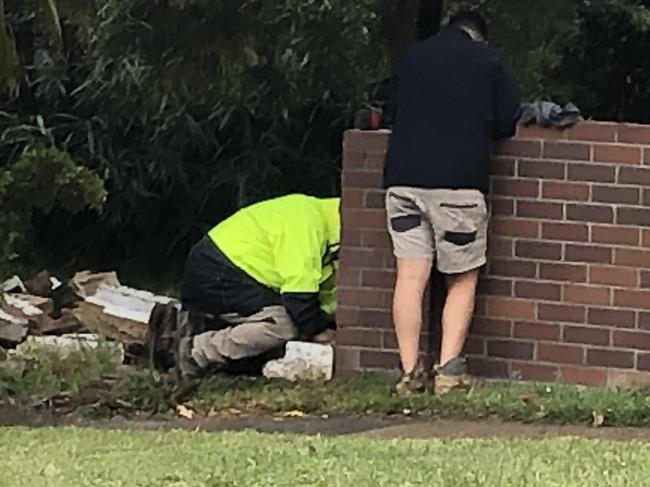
<point x="379" y="427"/>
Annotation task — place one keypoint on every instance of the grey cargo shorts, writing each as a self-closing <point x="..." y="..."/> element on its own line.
<point x="445" y="224"/>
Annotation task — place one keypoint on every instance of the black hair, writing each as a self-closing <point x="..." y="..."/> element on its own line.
<point x="472" y="20"/>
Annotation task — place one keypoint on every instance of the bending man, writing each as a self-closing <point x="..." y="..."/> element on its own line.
<point x="268" y="273"/>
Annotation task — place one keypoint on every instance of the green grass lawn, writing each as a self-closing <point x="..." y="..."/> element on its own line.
<point x="83" y="457"/>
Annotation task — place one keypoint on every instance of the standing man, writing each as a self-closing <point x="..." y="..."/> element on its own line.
<point x="267" y="273"/>
<point x="454" y="99"/>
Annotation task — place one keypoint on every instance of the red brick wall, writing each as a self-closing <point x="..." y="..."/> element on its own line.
<point x="566" y="293"/>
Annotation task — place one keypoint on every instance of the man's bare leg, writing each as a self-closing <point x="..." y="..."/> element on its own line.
<point x="457" y="313"/>
<point x="412" y="278"/>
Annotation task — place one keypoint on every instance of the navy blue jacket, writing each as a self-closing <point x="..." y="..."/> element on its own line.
<point x="454" y="98"/>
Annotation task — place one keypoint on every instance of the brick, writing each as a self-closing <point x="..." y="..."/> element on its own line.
<point x="346" y="315"/>
<point x="541" y="170"/>
<point x="618" y="154"/>
<point x="592" y="173"/>
<point x="474" y="346"/>
<point x="594" y="132"/>
<point x="363" y="218"/>
<point x="560" y="354"/>
<point x="521" y="148"/>
<point x="378" y="360"/>
<point x="590" y="213"/>
<point x="352" y="197"/>
<point x="615" y="235"/>
<point x="510" y="349"/>
<point x="632" y="258"/>
<point x="486" y="367"/>
<point x="645" y="238"/>
<point x="616" y="195"/>
<point x="561" y="313"/>
<point x="378" y="239"/>
<point x="491" y="327"/>
<point x="358" y="337"/>
<point x="645" y="198"/>
<point x="358" y="140"/>
<point x="563" y="272"/>
<point x="537" y="331"/>
<point x="515" y="187"/>
<point x="588" y="253"/>
<point x="514" y="227"/>
<point x="350" y="237"/>
<point x="634" y="134"/>
<point x="644" y="280"/>
<point x="637" y="340"/>
<point x="375" y="319"/>
<point x="646" y="156"/>
<point x="574" y="232"/>
<point x="626" y="298"/>
<point x="347" y="297"/>
<point x="374" y="199"/>
<point x="537" y="132"/>
<point x="612" y="276"/>
<point x="534" y="372"/>
<point x="633" y="216"/>
<point x="362" y="179"/>
<point x="611" y="317"/>
<point x="610" y="358"/>
<point x="354" y="159"/>
<point x="502" y="206"/>
<point x="618" y="378"/>
<point x="644" y="321"/>
<point x="363" y="258"/>
<point x="378" y="278"/>
<point x="537" y="209"/>
<point x="587" y="376"/>
<point x="565" y="191"/>
<point x="375" y="159"/>
<point x="346" y="360"/>
<point x="587" y="335"/>
<point x="574" y="293"/>
<point x="512" y="268"/>
<point x="643" y="361"/>
<point x="499" y="307"/>
<point x="538" y="250"/>
<point x="567" y="151"/>
<point x="634" y="175"/>
<point x="500" y="247"/>
<point x="374" y="298"/>
<point x="502" y="166"/>
<point x="495" y="287"/>
<point x="349" y="277"/>
<point x="538" y="290"/>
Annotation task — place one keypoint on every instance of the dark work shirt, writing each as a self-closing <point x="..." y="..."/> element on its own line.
<point x="454" y="98"/>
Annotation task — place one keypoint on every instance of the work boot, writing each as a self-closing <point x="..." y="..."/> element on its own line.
<point x="415" y="382"/>
<point x="453" y="375"/>
<point x="186" y="367"/>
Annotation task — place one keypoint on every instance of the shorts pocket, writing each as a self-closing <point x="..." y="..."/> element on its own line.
<point x="401" y="224"/>
<point x="461" y="239"/>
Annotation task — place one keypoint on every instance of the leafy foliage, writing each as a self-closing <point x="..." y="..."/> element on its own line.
<point x="41" y="180"/>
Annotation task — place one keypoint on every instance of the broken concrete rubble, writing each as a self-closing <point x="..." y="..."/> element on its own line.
<point x="90" y="302"/>
<point x="302" y="361"/>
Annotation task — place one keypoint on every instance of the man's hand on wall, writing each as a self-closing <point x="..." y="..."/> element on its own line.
<point x="325" y="337"/>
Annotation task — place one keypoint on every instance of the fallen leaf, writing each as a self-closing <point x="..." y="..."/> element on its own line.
<point x="294" y="414"/>
<point x="598" y="419"/>
<point x="184" y="412"/>
<point x="528" y="398"/>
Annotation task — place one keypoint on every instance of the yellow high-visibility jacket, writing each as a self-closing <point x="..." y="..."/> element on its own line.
<point x="289" y="244"/>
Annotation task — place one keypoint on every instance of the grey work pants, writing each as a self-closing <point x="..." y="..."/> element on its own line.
<point x="247" y="337"/>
